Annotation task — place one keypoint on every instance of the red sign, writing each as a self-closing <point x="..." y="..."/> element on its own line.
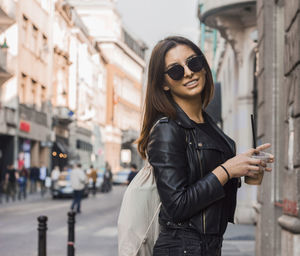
<point x="290" y="207"/>
<point x="24" y="126"/>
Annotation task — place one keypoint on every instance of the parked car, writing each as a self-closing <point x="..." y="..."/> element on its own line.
<point x="120" y="178"/>
<point x="63" y="188"/>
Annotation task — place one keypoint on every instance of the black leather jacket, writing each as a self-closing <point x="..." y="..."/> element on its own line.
<point x="183" y="158"/>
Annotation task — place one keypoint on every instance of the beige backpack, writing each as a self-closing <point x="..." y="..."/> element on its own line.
<point x="138" y="226"/>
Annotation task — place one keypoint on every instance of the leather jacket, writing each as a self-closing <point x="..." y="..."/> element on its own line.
<point x="183" y="159"/>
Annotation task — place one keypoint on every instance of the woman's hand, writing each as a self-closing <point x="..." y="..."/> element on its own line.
<point x="244" y="165"/>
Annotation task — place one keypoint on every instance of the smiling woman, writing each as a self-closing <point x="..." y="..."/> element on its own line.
<point x="195" y="167"/>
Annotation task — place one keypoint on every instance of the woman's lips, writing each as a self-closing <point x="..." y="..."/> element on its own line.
<point x="191" y="83"/>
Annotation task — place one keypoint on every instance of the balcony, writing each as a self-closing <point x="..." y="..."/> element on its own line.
<point x="30" y="114"/>
<point x="215" y="13"/>
<point x="7" y="65"/>
<point x="7" y="14"/>
<point x="231" y="18"/>
<point x="8" y="116"/>
<point x="63" y="115"/>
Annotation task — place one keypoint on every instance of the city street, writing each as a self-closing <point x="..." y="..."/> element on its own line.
<point x="96" y="228"/>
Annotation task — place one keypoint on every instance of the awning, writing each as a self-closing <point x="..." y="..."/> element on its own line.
<point x="62" y="145"/>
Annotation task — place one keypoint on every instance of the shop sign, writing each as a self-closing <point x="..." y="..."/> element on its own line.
<point x="24" y="126"/>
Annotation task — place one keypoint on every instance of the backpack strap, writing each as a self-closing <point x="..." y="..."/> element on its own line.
<point x="151" y="222"/>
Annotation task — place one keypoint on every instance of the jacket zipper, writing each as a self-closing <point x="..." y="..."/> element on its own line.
<point x="201" y="171"/>
<point x="203" y="212"/>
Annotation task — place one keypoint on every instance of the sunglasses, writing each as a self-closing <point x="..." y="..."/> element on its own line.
<point x="195" y="64"/>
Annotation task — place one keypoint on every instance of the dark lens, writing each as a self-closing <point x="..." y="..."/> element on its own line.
<point x="176" y="72"/>
<point x="195" y="64"/>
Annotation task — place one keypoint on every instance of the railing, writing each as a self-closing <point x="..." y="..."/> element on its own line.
<point x="3" y="58"/>
<point x="30" y="114"/>
<point x="138" y="47"/>
<point x="209" y="5"/>
<point x="8" y="116"/>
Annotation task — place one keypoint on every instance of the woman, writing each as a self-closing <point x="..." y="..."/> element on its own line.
<point x="194" y="162"/>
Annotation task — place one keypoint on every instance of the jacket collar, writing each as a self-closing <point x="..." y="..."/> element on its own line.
<point x="183" y="120"/>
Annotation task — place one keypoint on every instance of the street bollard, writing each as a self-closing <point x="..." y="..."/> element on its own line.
<point x="71" y="235"/>
<point x="42" y="228"/>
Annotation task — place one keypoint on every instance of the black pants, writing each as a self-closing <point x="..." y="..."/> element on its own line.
<point x="174" y="242"/>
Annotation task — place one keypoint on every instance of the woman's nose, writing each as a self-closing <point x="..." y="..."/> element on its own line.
<point x="187" y="71"/>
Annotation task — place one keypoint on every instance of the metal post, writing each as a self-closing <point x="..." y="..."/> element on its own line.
<point x="42" y="228"/>
<point x="71" y="235"/>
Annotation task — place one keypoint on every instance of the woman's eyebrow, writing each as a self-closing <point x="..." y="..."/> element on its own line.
<point x="174" y="63"/>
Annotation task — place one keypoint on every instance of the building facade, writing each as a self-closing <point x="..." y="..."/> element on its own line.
<point x="25" y="91"/>
<point x="70" y="91"/>
<point x="273" y="76"/>
<point x="125" y="68"/>
<point x="79" y="92"/>
<point x="228" y="30"/>
<point x="278" y="226"/>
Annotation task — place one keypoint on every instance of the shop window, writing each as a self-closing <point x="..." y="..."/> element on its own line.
<point x="82" y="145"/>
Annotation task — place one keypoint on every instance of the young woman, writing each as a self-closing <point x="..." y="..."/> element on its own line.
<point x="194" y="162"/>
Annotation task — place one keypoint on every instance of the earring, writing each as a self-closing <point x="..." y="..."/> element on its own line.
<point x="166" y="88"/>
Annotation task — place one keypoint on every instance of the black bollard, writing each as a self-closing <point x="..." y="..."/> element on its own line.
<point x="71" y="235"/>
<point x="42" y="228"/>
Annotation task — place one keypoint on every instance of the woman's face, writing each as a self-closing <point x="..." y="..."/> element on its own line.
<point x="192" y="83"/>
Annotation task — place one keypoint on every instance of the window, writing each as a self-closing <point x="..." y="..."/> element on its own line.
<point x="33" y="93"/>
<point x="25" y="30"/>
<point x="22" y="92"/>
<point x="85" y="146"/>
<point x="43" y="97"/>
<point x="35" y="32"/>
<point x="44" y="50"/>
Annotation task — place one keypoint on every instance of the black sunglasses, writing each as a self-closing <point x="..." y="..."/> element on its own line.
<point x="195" y="64"/>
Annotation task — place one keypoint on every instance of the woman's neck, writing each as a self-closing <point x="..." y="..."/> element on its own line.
<point x="193" y="108"/>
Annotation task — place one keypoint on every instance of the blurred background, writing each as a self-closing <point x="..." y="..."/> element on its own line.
<point x="72" y="84"/>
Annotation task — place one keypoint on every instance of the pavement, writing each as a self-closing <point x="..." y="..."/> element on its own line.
<point x="239" y="240"/>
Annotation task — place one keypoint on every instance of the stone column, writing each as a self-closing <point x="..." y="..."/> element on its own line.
<point x="290" y="219"/>
<point x="270" y="123"/>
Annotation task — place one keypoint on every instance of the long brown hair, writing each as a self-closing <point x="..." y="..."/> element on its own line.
<point x="159" y="102"/>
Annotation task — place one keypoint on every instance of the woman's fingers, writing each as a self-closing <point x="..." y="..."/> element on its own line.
<point x="254" y="161"/>
<point x="254" y="168"/>
<point x="263" y="146"/>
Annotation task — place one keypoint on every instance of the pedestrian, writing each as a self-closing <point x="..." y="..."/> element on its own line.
<point x="42" y="178"/>
<point x="34" y="173"/>
<point x="93" y="176"/>
<point x="11" y="177"/>
<point x="22" y="181"/>
<point x="54" y="176"/>
<point x="194" y="162"/>
<point x="78" y="182"/>
<point x="107" y="178"/>
<point x="133" y="172"/>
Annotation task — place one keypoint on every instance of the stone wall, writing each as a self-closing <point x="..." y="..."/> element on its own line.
<point x="290" y="219"/>
<point x="278" y="223"/>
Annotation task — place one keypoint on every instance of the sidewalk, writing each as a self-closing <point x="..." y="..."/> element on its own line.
<point x="239" y="240"/>
<point x="35" y="197"/>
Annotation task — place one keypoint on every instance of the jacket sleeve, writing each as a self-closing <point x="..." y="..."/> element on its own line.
<point x="167" y="154"/>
